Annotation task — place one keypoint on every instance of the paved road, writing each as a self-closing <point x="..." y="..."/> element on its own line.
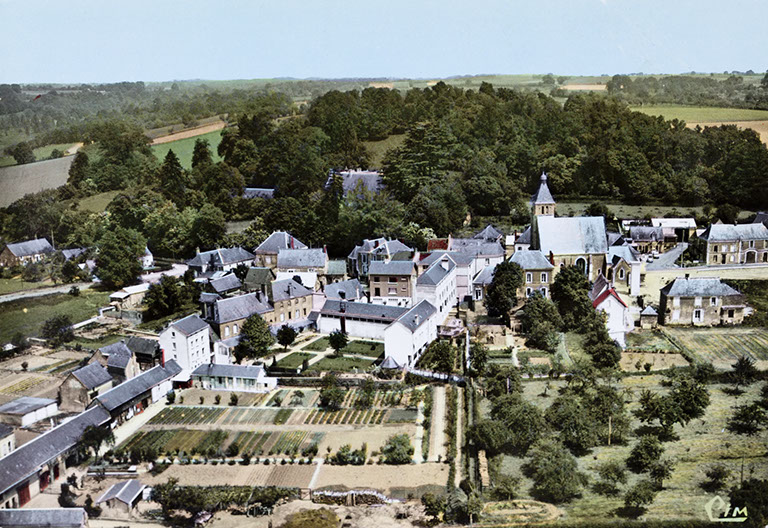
<point x="437" y="435"/>
<point x="667" y="260"/>
<point x="40" y="292"/>
<point x="177" y="270"/>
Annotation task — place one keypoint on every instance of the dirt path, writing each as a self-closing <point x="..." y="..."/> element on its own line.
<point x="43" y="291"/>
<point x="437" y="433"/>
<point x="74" y="148"/>
<point x="459" y="436"/>
<point x="192" y="132"/>
<point x="418" y="438"/>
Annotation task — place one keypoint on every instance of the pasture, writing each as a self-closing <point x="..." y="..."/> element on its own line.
<point x="19" y="180"/>
<point x="634" y="211"/>
<point x="722" y="346"/>
<point x="701" y="444"/>
<point x="183" y="148"/>
<point x="700" y="114"/>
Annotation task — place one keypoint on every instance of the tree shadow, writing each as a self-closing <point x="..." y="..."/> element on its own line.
<point x="629" y="512"/>
<point x="605" y="489"/>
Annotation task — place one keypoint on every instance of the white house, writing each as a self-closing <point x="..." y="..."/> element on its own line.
<point x="624" y="268"/>
<point x="7" y="440"/>
<point x="188" y="341"/>
<point x="438" y="286"/>
<point x="25" y="411"/>
<point x="466" y="269"/>
<point x="243" y="378"/>
<point x="408" y="336"/>
<point x="147" y="259"/>
<point x="618" y="319"/>
<point x="357" y="319"/>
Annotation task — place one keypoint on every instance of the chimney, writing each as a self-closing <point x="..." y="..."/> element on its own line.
<point x="197" y="250"/>
<point x="551" y="258"/>
<point x="416" y="319"/>
<point x="687" y="276"/>
<point x="343" y="310"/>
<point x="342" y="295"/>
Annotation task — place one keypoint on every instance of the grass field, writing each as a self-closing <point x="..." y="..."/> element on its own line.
<point x="377" y="149"/>
<point x="697" y="114"/>
<point x="649" y="341"/>
<point x="15" y="284"/>
<point x="41" y="153"/>
<point x="723" y="346"/>
<point x="98" y="202"/>
<point x="28" y="315"/>
<point x="634" y="211"/>
<point x="702" y="443"/>
<point x="183" y="148"/>
<point x="342" y="364"/>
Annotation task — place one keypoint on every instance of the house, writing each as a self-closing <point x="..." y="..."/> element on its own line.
<point x="131" y="397"/>
<point x="266" y="252"/>
<point x="523" y="240"/>
<point x="48" y="517"/>
<point x="73" y="253"/>
<point x="31" y="468"/>
<point x="481" y="282"/>
<point x="80" y="387"/>
<point x="734" y="244"/>
<point x="259" y="280"/>
<point x="351" y="290"/>
<point x="353" y="180"/>
<point x="542" y="202"/>
<point x="291" y="301"/>
<point x="538" y="272"/>
<point x="606" y="299"/>
<point x="483" y="252"/>
<point x="337" y="271"/>
<point x="357" y="319"/>
<point x="226" y="284"/>
<point x="649" y="318"/>
<point x="228" y="315"/>
<point x="25" y="411"/>
<point x="23" y="253"/>
<point x="624" y="269"/>
<point x="146" y="351"/>
<point x="147" y="259"/>
<point x="438" y="286"/>
<point x="122" y="497"/>
<point x="408" y="336"/>
<point x="392" y="282"/>
<point x="120" y="361"/>
<point x="187" y="341"/>
<point x="700" y="301"/>
<point x="264" y="193"/>
<point x="307" y="264"/>
<point x="378" y="249"/>
<point x="7" y="440"/>
<point x="241" y="378"/>
<point x="130" y="297"/>
<point x="649" y="239"/>
<point x="490" y="234"/>
<point x="223" y="259"/>
<point x="683" y="228"/>
<point x="466" y="269"/>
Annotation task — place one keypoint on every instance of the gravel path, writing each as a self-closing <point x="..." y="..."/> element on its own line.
<point x="418" y="438"/>
<point x="437" y="434"/>
<point x="459" y="438"/>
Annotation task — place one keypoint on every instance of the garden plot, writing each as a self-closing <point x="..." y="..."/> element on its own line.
<point x="169" y="441"/>
<point x="187" y="416"/>
<point x="22" y="384"/>
<point x="723" y="346"/>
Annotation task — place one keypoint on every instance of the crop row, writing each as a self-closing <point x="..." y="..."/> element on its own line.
<point x="187" y="416"/>
<point x="172" y="440"/>
<point x="23" y="385"/>
<point x="289" y="442"/>
<point x="346" y="416"/>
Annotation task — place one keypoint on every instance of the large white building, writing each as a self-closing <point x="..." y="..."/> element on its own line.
<point x="188" y="341"/>
<point x="438" y="286"/>
<point x="408" y="336"/>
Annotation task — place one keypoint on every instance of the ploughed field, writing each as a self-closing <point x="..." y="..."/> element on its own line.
<point x="724" y="345"/>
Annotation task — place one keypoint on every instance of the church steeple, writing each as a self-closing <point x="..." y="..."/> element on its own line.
<point x="542" y="202"/>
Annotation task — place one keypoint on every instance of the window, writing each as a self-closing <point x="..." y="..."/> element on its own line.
<point x="528" y="278"/>
<point x="543" y="292"/>
<point x="733" y="247"/>
<point x="234" y="329"/>
<point x="404" y="288"/>
<point x="375" y="279"/>
<point x="377" y="292"/>
<point x="697" y="301"/>
<point x="268" y="260"/>
<point x="751" y="243"/>
<point x="487" y="261"/>
<point x="731" y="258"/>
<point x="675" y="301"/>
<point x="697" y="315"/>
<point x="715" y="249"/>
<point x="543" y="277"/>
<point x="713" y="301"/>
<point x="730" y="314"/>
<point x="282" y="317"/>
<point x="392" y="279"/>
<point x="392" y="291"/>
<point x="297" y="314"/>
<point x="528" y="292"/>
<point x="621" y="274"/>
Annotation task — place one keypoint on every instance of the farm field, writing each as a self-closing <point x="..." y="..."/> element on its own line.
<point x="28" y="315"/>
<point x="183" y="148"/>
<point x="19" y="180"/>
<point x="98" y="202"/>
<point x="649" y="341"/>
<point x="699" y="114"/>
<point x="41" y="153"/>
<point x="723" y="346"/>
<point x="15" y="284"/>
<point x="761" y="127"/>
<point x="702" y="443"/>
<point x="378" y="149"/>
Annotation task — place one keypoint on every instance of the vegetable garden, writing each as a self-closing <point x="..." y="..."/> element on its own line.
<point x="722" y="345"/>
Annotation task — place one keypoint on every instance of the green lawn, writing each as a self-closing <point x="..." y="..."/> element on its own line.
<point x="319" y="345"/>
<point x="703" y="114"/>
<point x="370" y="349"/>
<point x="650" y="341"/>
<point x="16" y="285"/>
<point x="294" y="360"/>
<point x="98" y="202"/>
<point x="377" y="149"/>
<point x="342" y="364"/>
<point x="183" y="148"/>
<point x="94" y="344"/>
<point x="27" y="315"/>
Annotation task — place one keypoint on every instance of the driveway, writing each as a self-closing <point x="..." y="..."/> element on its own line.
<point x="667" y="260"/>
<point x="177" y="270"/>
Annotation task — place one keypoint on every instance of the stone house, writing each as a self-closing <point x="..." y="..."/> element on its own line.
<point x="392" y="283"/>
<point x="734" y="244"/>
<point x="228" y="315"/>
<point x="291" y="302"/>
<point x="378" y="249"/>
<point x="700" y="301"/>
<point x="265" y="255"/>
<point x="83" y="385"/>
<point x="538" y="273"/>
<point x="647" y="239"/>
<point x="310" y="265"/>
<point x="23" y="253"/>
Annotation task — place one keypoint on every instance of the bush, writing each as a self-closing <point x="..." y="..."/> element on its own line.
<point x="58" y="330"/>
<point x="233" y="399"/>
<point x="398" y="450"/>
<point x="647" y="451"/>
<point x="74" y="291"/>
<point x="170" y="397"/>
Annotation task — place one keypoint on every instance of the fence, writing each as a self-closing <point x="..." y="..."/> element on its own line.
<point x="351" y="498"/>
<point x="452" y="378"/>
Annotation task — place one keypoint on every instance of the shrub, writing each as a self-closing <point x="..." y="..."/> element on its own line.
<point x="398" y="450"/>
<point x="170" y="397"/>
<point x="647" y="451"/>
<point x="217" y="399"/>
<point x="233" y="399"/>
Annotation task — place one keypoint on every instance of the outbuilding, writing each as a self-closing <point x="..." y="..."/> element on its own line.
<point x="123" y="496"/>
<point x="25" y="411"/>
<point x="245" y="378"/>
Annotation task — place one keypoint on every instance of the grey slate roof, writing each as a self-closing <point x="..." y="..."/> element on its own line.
<point x="393" y="267"/>
<point x="285" y="289"/>
<point x="230" y="371"/>
<point x="614" y="238"/>
<point x="125" y="491"/>
<point x="367" y="246"/>
<point x="461" y="259"/>
<point x="628" y="253"/>
<point x="579" y="235"/>
<point x="43" y="517"/>
<point x="336" y="267"/>
<point x="485" y="275"/>
<point x="92" y="375"/>
<point x="134" y="387"/>
<point x="258" y="192"/>
<point x="221" y="257"/>
<point x="72" y="253"/>
<point x="31" y="247"/>
<point x="226" y="283"/>
<point x="24" y="405"/>
<point x="730" y="232"/>
<point x="189" y="324"/>
<point x="531" y="259"/>
<point x="118" y="354"/>
<point x="525" y="237"/>
<point x="25" y="460"/>
<point x="389" y="363"/>
<point x="350" y="179"/>
<point x="375" y="312"/>
<point x="476" y="247"/>
<point x="698" y="287"/>
<point x="760" y="218"/>
<point x="437" y="272"/>
<point x="649" y="310"/>
<point x="352" y="289"/>
<point x="206" y="297"/>
<point x="279" y="240"/>
<point x="301" y="258"/>
<point x="390" y="247"/>
<point x="542" y="195"/>
<point x="488" y="233"/>
<point x="417" y="315"/>
<point x="240" y="307"/>
<point x="5" y="430"/>
<point x="646" y="233"/>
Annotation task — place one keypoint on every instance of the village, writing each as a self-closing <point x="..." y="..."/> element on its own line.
<point x="350" y="381"/>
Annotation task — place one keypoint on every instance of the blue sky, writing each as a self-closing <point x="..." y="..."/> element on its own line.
<point x="155" y="40"/>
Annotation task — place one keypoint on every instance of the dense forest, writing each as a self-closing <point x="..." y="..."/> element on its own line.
<point x="464" y="151"/>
